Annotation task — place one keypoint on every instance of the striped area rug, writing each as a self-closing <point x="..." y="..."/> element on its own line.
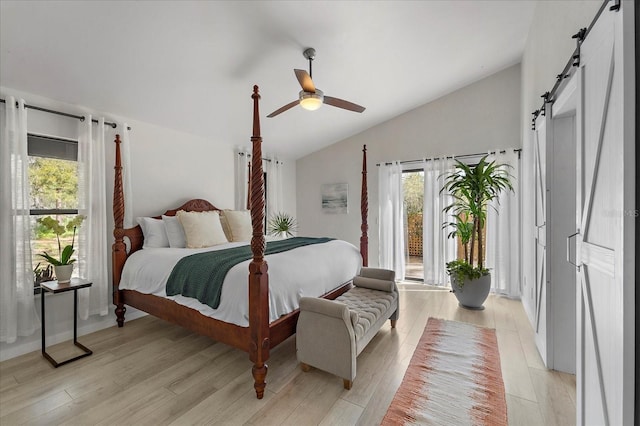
<point x="454" y="378"/>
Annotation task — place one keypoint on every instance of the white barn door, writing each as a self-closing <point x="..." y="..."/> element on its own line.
<point x="605" y="336"/>
<point x="540" y="235"/>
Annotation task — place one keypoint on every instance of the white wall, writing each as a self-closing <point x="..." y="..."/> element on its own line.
<point x="168" y="168"/>
<point x="548" y="48"/>
<point x="482" y="116"/>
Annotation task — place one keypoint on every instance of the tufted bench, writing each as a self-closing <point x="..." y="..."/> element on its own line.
<point x="332" y="333"/>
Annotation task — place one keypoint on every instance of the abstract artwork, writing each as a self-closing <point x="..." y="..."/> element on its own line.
<point x="335" y="198"/>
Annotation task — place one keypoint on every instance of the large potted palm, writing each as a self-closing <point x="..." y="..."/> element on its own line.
<point x="472" y="188"/>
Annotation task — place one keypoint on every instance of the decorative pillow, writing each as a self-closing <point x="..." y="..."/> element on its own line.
<point x="154" y="232"/>
<point x="175" y="232"/>
<point x="237" y="225"/>
<point x="202" y="229"/>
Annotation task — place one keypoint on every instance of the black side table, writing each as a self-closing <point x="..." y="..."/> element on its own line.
<point x="55" y="287"/>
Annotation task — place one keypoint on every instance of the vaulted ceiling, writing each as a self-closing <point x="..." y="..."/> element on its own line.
<point x="191" y="65"/>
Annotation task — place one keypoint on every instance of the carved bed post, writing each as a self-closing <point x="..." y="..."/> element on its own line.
<point x="258" y="276"/>
<point x="364" y="211"/>
<point x="118" y="249"/>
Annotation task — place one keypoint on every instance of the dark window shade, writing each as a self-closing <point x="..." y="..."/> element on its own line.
<point x="52" y="147"/>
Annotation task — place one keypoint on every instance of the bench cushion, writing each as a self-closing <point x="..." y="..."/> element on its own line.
<point x="374" y="284"/>
<point x="369" y="305"/>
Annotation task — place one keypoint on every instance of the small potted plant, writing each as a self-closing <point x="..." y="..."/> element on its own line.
<point x="63" y="264"/>
<point x="42" y="274"/>
<point x="472" y="188"/>
<point x="282" y="225"/>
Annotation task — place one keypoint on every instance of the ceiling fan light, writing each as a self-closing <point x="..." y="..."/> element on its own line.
<point x="311" y="101"/>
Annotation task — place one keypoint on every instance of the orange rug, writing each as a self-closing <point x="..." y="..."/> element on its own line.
<point x="454" y="378"/>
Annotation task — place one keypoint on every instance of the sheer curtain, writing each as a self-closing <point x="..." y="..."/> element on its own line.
<point x="273" y="167"/>
<point x="18" y="315"/>
<point x="92" y="238"/>
<point x="243" y="159"/>
<point x="125" y="152"/>
<point x="503" y="231"/>
<point x="391" y="218"/>
<point x="437" y="248"/>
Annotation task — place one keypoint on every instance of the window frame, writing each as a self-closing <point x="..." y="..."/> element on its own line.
<point x="48" y="212"/>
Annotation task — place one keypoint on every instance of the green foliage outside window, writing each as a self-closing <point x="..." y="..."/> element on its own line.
<point x="413" y="187"/>
<point x="54" y="183"/>
<point x="53" y="186"/>
<point x="413" y="193"/>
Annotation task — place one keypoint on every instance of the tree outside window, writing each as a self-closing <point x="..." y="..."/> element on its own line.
<point x="413" y="190"/>
<point x="53" y="181"/>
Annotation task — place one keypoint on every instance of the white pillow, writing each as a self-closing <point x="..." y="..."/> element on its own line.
<point x="237" y="225"/>
<point x="154" y="232"/>
<point x="202" y="229"/>
<point x="175" y="232"/>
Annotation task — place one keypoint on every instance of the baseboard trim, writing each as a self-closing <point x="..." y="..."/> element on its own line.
<point x="34" y="343"/>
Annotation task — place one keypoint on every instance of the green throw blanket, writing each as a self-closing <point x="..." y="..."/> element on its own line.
<point x="200" y="275"/>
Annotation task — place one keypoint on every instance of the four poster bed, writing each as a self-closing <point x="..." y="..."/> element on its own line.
<point x="262" y="332"/>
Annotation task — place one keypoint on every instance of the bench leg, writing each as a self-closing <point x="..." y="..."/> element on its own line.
<point x="393" y="323"/>
<point x="347" y="384"/>
<point x="305" y="367"/>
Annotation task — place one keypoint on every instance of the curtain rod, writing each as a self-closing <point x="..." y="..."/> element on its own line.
<point x="574" y="61"/>
<point x="242" y="154"/>
<point x="65" y="114"/>
<point x="518" y="150"/>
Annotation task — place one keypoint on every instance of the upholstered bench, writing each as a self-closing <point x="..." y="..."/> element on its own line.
<point x="332" y="333"/>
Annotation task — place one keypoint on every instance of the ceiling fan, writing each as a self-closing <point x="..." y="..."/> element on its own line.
<point x="311" y="98"/>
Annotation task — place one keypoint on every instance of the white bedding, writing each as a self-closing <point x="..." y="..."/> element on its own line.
<point x="311" y="270"/>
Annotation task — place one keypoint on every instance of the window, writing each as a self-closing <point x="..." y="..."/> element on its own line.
<point x="413" y="192"/>
<point x="53" y="181"/>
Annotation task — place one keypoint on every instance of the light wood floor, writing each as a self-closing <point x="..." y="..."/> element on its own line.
<point x="151" y="372"/>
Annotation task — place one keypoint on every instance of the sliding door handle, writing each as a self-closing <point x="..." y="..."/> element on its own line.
<point x="569" y="248"/>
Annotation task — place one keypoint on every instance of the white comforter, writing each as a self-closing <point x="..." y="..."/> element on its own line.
<point x="311" y="270"/>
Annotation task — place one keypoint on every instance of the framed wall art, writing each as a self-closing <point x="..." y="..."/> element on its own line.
<point x="335" y="198"/>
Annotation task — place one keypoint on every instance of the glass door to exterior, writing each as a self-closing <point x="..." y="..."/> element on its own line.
<point x="413" y="189"/>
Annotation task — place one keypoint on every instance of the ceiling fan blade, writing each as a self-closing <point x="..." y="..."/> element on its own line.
<point x="341" y="103"/>
<point x="305" y="81"/>
<point x="284" y="108"/>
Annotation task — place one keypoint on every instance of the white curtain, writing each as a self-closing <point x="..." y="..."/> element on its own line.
<point x="125" y="153"/>
<point x="18" y="315"/>
<point x="92" y="240"/>
<point x="437" y="248"/>
<point x="391" y="218"/>
<point x="243" y="159"/>
<point x="273" y="167"/>
<point x="503" y="231"/>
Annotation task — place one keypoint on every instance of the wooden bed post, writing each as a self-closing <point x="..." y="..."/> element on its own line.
<point x="258" y="276"/>
<point x="364" y="211"/>
<point x="256" y="339"/>
<point x="119" y="249"/>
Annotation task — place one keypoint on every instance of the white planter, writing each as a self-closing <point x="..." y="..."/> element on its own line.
<point x="63" y="273"/>
<point x="472" y="293"/>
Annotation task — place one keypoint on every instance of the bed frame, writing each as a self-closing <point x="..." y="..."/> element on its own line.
<point x="260" y="336"/>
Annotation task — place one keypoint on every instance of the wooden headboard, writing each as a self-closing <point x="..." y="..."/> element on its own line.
<point x="135" y="236"/>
